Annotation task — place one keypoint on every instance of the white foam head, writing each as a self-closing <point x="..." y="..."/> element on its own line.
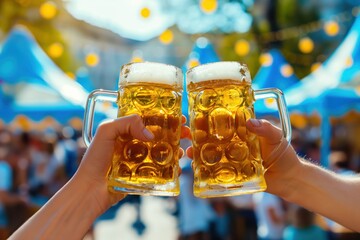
<point x="219" y="71"/>
<point x="151" y="72"/>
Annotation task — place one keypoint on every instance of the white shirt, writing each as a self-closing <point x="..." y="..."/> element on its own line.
<point x="266" y="227"/>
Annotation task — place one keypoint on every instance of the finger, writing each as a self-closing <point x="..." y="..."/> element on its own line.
<point x="131" y="125"/>
<point x="183" y="119"/>
<point x="189" y="152"/>
<point x="263" y="128"/>
<point x="185" y="132"/>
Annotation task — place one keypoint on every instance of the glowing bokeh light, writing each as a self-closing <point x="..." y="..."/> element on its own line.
<point x="306" y="45"/>
<point x="192" y="63"/>
<point x="56" y="50"/>
<point x="208" y="6"/>
<point x="315" y="66"/>
<point x="242" y="47"/>
<point x="92" y="59"/>
<point x="48" y="10"/>
<point x="331" y="28"/>
<point x="145" y="12"/>
<point x="286" y="70"/>
<point x="166" y="37"/>
<point x="265" y="59"/>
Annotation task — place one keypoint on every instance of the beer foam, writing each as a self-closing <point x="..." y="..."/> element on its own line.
<point x="219" y="71"/>
<point x="151" y="72"/>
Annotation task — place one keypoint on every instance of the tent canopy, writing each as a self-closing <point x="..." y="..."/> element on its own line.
<point x="275" y="72"/>
<point x="32" y="85"/>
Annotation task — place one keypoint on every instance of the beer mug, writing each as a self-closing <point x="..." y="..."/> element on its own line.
<point x="227" y="159"/>
<point x="154" y="91"/>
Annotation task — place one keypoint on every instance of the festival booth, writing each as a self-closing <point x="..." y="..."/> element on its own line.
<point x="332" y="90"/>
<point x="33" y="89"/>
<point x="275" y="72"/>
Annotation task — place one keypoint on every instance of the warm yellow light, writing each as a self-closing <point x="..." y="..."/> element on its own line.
<point x="23" y="122"/>
<point x="349" y="62"/>
<point x="242" y="47"/>
<point x="48" y="10"/>
<point x="269" y="102"/>
<point x="286" y="70"/>
<point x="70" y="75"/>
<point x="92" y="59"/>
<point x="298" y="121"/>
<point x="137" y="59"/>
<point x="192" y="63"/>
<point x="357" y="90"/>
<point x="145" y="12"/>
<point x="208" y="6"/>
<point x="306" y="45"/>
<point x="166" y="37"/>
<point x="315" y="66"/>
<point x="331" y="28"/>
<point x="56" y="50"/>
<point x="266" y="59"/>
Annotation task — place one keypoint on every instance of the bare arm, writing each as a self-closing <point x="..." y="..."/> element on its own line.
<point x="301" y="182"/>
<point x="72" y="210"/>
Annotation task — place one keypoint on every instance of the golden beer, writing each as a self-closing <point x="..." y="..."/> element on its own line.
<point x="153" y="91"/>
<point x="227" y="158"/>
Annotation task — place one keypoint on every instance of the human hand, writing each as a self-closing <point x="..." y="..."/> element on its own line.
<point x="280" y="159"/>
<point x="97" y="159"/>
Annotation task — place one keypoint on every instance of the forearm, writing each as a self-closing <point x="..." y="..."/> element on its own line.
<point x="68" y="215"/>
<point x="326" y="193"/>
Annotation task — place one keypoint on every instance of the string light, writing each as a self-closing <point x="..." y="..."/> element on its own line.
<point x="48" y="10"/>
<point x="306" y="45"/>
<point x="166" y="37"/>
<point x="331" y="28"/>
<point x="265" y="59"/>
<point x="137" y="59"/>
<point x="242" y="47"/>
<point x="208" y="6"/>
<point x="56" y="50"/>
<point x="92" y="59"/>
<point x="192" y="63"/>
<point x="145" y="12"/>
<point x="315" y="66"/>
<point x="71" y="75"/>
<point x="286" y="70"/>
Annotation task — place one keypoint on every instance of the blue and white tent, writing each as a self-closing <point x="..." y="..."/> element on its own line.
<point x="202" y="52"/>
<point x="330" y="90"/>
<point x="31" y="84"/>
<point x="275" y="72"/>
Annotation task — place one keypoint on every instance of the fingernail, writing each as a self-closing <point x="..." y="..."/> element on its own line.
<point x="255" y="122"/>
<point x="148" y="134"/>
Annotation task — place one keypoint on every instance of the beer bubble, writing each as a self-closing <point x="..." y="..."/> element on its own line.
<point x="232" y="98"/>
<point x="201" y="173"/>
<point x="161" y="153"/>
<point x="237" y="151"/>
<point x="124" y="171"/>
<point x="221" y="124"/>
<point x="147" y="170"/>
<point x="135" y="151"/>
<point x="241" y="116"/>
<point x="169" y="101"/>
<point x="211" y="153"/>
<point x="199" y="136"/>
<point x="200" y="121"/>
<point x="225" y="174"/>
<point x="206" y="99"/>
<point x="248" y="169"/>
<point x="145" y="98"/>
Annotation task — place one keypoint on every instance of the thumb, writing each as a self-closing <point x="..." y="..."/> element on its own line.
<point x="271" y="134"/>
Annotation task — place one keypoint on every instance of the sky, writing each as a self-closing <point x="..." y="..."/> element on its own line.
<point x="124" y="18"/>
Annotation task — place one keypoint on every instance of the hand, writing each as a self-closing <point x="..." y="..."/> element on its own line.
<point x="280" y="159"/>
<point x="97" y="160"/>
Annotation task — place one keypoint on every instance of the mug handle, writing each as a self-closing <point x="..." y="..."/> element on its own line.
<point x="281" y="105"/>
<point x="94" y="96"/>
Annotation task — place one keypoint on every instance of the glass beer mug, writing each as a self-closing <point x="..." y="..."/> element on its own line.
<point x="227" y="158"/>
<point x="152" y="90"/>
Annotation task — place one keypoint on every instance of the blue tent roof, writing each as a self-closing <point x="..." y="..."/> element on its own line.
<point x="202" y="52"/>
<point x="275" y="73"/>
<point x="32" y="85"/>
<point x="333" y="72"/>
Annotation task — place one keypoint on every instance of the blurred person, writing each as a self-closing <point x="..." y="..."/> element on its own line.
<point x="194" y="214"/>
<point x="270" y="216"/>
<point x="243" y="223"/>
<point x="302" y="226"/>
<point x="287" y="176"/>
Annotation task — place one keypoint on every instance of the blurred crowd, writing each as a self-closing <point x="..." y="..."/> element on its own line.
<point x="34" y="165"/>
